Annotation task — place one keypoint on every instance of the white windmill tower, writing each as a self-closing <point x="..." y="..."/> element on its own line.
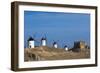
<point x="43" y="41"/>
<point x="65" y="47"/>
<point x="31" y="43"/>
<point x="55" y="45"/>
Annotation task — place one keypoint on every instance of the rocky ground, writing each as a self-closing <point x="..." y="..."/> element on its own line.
<point x="43" y="53"/>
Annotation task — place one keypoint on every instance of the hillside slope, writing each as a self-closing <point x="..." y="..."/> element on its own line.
<point x="49" y="53"/>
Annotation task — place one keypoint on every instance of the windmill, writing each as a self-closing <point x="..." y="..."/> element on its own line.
<point x="44" y="40"/>
<point x="55" y="44"/>
<point x="65" y="46"/>
<point x="31" y="42"/>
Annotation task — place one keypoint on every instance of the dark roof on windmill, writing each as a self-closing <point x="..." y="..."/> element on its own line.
<point x="43" y="38"/>
<point x="54" y="43"/>
<point x="30" y="39"/>
<point x="65" y="46"/>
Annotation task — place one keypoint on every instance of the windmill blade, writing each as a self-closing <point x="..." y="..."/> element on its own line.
<point x="63" y="44"/>
<point x="45" y="35"/>
<point x="57" y="40"/>
<point x="53" y="41"/>
<point x="34" y="35"/>
<point x="37" y="41"/>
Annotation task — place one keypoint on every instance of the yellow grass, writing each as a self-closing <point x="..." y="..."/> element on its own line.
<point x="49" y="53"/>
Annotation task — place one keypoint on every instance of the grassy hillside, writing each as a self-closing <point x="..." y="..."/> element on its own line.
<point x="49" y="53"/>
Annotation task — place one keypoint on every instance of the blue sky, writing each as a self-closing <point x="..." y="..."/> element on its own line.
<point x="65" y="28"/>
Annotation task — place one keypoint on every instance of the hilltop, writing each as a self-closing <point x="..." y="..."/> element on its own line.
<point x="50" y="53"/>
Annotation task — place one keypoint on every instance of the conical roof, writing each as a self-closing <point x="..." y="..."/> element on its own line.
<point x="65" y="46"/>
<point x="30" y="39"/>
<point x="54" y="43"/>
<point x="43" y="38"/>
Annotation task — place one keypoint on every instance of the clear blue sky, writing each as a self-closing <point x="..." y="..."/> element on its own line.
<point x="65" y="28"/>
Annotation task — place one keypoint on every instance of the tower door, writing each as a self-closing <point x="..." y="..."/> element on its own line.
<point x="30" y="46"/>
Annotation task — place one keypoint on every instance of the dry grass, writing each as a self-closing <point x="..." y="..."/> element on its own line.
<point x="47" y="53"/>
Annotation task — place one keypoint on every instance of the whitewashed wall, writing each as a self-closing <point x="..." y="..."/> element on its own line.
<point x="43" y="42"/>
<point x="31" y="44"/>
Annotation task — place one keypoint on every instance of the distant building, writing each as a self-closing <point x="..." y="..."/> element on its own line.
<point x="65" y="47"/>
<point x="43" y="41"/>
<point x="79" y="44"/>
<point x="31" y="43"/>
<point x="55" y="45"/>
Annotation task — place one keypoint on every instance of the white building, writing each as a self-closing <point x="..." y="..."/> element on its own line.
<point x="43" y="41"/>
<point x="65" y="47"/>
<point x="31" y="43"/>
<point x="55" y="45"/>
